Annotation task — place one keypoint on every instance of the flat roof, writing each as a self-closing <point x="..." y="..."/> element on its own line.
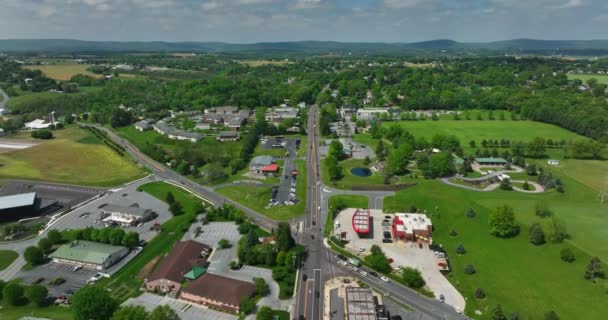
<point x="361" y="220"/>
<point x="86" y="251"/>
<point x="492" y="160"/>
<point x="133" y="211"/>
<point x="360" y="304"/>
<point x="17" y="200"/>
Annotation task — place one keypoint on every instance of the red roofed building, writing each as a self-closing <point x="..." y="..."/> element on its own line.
<point x="412" y="227"/>
<point x="218" y="292"/>
<point x="272" y="169"/>
<point x="361" y="223"/>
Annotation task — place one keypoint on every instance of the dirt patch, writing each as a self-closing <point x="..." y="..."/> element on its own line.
<point x="148" y="268"/>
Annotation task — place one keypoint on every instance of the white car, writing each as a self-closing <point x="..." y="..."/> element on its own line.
<point x="361" y="249"/>
<point x="363" y="273"/>
<point x="342" y="262"/>
<point x="457" y="310"/>
<point x="95" y="278"/>
<point x="384" y="278"/>
<point x="77" y="267"/>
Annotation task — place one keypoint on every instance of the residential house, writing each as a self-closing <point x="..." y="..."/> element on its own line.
<point x="228" y="136"/>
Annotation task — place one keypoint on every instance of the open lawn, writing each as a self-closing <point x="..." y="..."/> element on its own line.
<point x="63" y="71"/>
<point x="477" y="130"/>
<point x="74" y="156"/>
<point x="257" y="198"/>
<point x="125" y="283"/>
<point x="601" y="78"/>
<point x="523" y="278"/>
<point x="6" y="258"/>
<point x="343" y="201"/>
<point x="258" y="63"/>
<point x="51" y="312"/>
<point x="349" y="178"/>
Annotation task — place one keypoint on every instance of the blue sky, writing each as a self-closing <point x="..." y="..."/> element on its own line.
<point x="245" y="21"/>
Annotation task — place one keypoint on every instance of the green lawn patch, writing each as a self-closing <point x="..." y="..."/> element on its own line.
<point x="125" y="283"/>
<point x="527" y="279"/>
<point x="74" y="156"/>
<point x="6" y="258"/>
<point x="51" y="312"/>
<point x="257" y="198"/>
<point x="601" y="78"/>
<point x="349" y="179"/>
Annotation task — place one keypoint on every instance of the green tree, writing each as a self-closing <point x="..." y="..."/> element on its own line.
<point x="398" y="159"/>
<point x="37" y="294"/>
<point x="116" y="236"/>
<point x="551" y="315"/>
<point x="567" y="255"/>
<point x="163" y="312"/>
<point x="497" y="313"/>
<point x="594" y="269"/>
<point x="377" y="260"/>
<point x="54" y="236"/>
<point x="505" y="184"/>
<point x="33" y="255"/>
<point x="336" y="149"/>
<point x="130" y="313"/>
<point x="261" y="287"/>
<point x="131" y="239"/>
<point x="224" y="244"/>
<point x="380" y="151"/>
<point x="12" y="293"/>
<point x="264" y="313"/>
<point x="175" y="208"/>
<point x="536" y="148"/>
<point x="170" y="198"/>
<point x="93" y="303"/>
<point x="502" y="222"/>
<point x="559" y="232"/>
<point x="284" y="240"/>
<point x="45" y="245"/>
<point x="412" y="277"/>
<point x="536" y="234"/>
<point x="542" y="210"/>
<point x="247" y="306"/>
<point x="121" y="118"/>
<point x="44" y="134"/>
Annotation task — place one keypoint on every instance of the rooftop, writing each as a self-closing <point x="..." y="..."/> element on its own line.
<point x="360" y="304"/>
<point x="361" y="220"/>
<point x="86" y="251"/>
<point x="491" y="160"/>
<point x="130" y="210"/>
<point x="219" y="288"/>
<point x="407" y="222"/>
<point x="183" y="257"/>
<point x="261" y="161"/>
<point x="17" y="200"/>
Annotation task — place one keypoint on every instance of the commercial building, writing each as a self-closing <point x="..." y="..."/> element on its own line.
<point x="412" y="227"/>
<point x="361" y="222"/>
<point x="186" y="256"/>
<point x="218" y="292"/>
<point x="126" y="215"/>
<point x="258" y="162"/>
<point x="24" y="205"/>
<point x="366" y="114"/>
<point x="490" y="161"/>
<point x="360" y="304"/>
<point x="89" y="254"/>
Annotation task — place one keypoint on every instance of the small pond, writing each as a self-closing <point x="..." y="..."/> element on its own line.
<point x="361" y="172"/>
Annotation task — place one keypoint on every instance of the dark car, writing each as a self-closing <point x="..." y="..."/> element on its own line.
<point x="304" y="277"/>
<point x="317" y="294"/>
<point x="373" y="273"/>
<point x="341" y="257"/>
<point x="396" y="317"/>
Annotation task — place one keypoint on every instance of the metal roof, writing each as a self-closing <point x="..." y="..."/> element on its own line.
<point x="361" y="221"/>
<point x="130" y="210"/>
<point x="86" y="251"/>
<point x="491" y="160"/>
<point x="17" y="200"/>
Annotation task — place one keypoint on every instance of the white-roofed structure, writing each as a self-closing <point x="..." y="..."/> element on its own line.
<point x="412" y="226"/>
<point x="37" y="124"/>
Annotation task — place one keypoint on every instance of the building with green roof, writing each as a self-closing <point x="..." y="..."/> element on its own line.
<point x="195" y="272"/>
<point x="89" y="254"/>
<point x="491" y="161"/>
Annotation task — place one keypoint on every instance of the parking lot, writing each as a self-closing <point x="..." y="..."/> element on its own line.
<point x="219" y="260"/>
<point x="88" y="215"/>
<point x="404" y="254"/>
<point x="186" y="311"/>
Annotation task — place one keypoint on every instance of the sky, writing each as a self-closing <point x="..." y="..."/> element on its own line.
<point x="248" y="21"/>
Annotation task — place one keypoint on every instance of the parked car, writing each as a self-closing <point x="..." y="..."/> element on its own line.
<point x="363" y="273"/>
<point x="373" y="273"/>
<point x="442" y="298"/>
<point x="304" y="277"/>
<point x="341" y="257"/>
<point x="384" y="278"/>
<point x="77" y="267"/>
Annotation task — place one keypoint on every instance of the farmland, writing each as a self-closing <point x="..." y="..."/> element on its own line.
<point x="63" y="70"/>
<point x="527" y="279"/>
<point x="74" y="156"/>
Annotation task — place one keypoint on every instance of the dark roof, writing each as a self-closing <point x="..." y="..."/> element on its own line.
<point x="183" y="256"/>
<point x="219" y="288"/>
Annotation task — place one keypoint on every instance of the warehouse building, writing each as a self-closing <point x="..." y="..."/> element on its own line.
<point x="24" y="205"/>
<point x="360" y="304"/>
<point x="89" y="254"/>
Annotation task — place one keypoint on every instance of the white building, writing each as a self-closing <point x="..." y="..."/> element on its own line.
<point x="38" y="124"/>
<point x="366" y="114"/>
<point x="126" y="216"/>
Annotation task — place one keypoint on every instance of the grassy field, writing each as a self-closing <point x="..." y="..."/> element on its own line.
<point x="601" y="78"/>
<point x="349" y="178"/>
<point x="51" y="312"/>
<point x="74" y="156"/>
<point x="6" y="258"/>
<point x="257" y="198"/>
<point x="258" y="63"/>
<point x="477" y="130"/>
<point x="125" y="283"/>
<point x="523" y="278"/>
<point x="64" y="70"/>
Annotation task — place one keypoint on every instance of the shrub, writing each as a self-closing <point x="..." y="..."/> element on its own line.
<point x="536" y="234"/>
<point x="224" y="244"/>
<point x="460" y="249"/>
<point x="453" y="233"/>
<point x="551" y="315"/>
<point x="44" y="134"/>
<point x="470" y="213"/>
<point x="502" y="222"/>
<point x="412" y="278"/>
<point x="469" y="269"/>
<point x="479" y="293"/>
<point x="567" y="255"/>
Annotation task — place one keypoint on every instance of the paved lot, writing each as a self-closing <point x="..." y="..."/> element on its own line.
<point x="359" y="151"/>
<point x="403" y="253"/>
<point x="88" y="215"/>
<point x="211" y="234"/>
<point x="186" y="311"/>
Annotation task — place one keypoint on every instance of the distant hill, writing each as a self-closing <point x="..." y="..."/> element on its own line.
<point x="77" y="46"/>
